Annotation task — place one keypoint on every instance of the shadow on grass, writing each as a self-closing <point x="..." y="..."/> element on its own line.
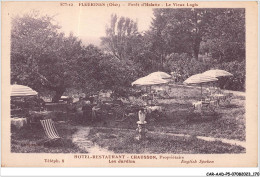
<point x="33" y="140"/>
<point x="230" y="106"/>
<point x="200" y="118"/>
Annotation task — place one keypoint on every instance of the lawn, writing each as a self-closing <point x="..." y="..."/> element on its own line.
<point x="123" y="141"/>
<point x="227" y="122"/>
<point x="31" y="140"/>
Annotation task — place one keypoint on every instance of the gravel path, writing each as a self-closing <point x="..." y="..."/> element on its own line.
<point x="80" y="138"/>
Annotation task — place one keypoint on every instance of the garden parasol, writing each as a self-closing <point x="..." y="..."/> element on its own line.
<point x="160" y="74"/>
<point x="148" y="81"/>
<point x="217" y="73"/>
<point x="22" y="90"/>
<point x="199" y="79"/>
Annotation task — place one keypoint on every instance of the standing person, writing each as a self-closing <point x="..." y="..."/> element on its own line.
<point x="91" y="99"/>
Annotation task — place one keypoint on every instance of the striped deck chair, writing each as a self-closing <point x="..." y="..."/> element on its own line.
<point x="50" y="130"/>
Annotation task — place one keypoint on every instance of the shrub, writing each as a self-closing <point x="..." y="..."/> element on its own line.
<point x="185" y="66"/>
<point x="237" y="82"/>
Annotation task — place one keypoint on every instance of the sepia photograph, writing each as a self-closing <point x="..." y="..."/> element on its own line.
<point x="101" y="81"/>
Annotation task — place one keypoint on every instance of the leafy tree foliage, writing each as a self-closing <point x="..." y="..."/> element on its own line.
<point x="121" y="37"/>
<point x="41" y="57"/>
<point x="226" y="42"/>
<point x="180" y="30"/>
<point x="214" y="38"/>
<point x="184" y="41"/>
<point x="184" y="30"/>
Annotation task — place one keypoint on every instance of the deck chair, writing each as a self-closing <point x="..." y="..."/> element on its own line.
<point x="50" y="131"/>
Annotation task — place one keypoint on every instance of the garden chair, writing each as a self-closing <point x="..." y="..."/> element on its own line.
<point x="120" y="113"/>
<point x="205" y="105"/>
<point x="227" y="99"/>
<point x="125" y="101"/>
<point x="50" y="131"/>
<point x="209" y="105"/>
<point x="136" y="101"/>
<point x="155" y="100"/>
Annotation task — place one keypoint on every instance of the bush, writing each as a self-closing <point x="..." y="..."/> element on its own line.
<point x="185" y="66"/>
<point x="237" y="82"/>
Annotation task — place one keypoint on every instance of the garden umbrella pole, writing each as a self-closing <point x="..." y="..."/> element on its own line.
<point x="199" y="79"/>
<point x="201" y="90"/>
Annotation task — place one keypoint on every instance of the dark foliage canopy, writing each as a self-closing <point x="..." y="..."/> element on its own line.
<point x="184" y="41"/>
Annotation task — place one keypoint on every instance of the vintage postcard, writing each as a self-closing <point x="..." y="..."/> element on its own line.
<point x="129" y="84"/>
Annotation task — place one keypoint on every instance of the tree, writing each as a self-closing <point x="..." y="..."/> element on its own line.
<point x="97" y="70"/>
<point x="212" y="37"/>
<point x="121" y="37"/>
<point x="165" y="37"/>
<point x="180" y="30"/>
<point x="127" y="50"/>
<point x="226" y="42"/>
<point x="41" y="57"/>
<point x="184" y="30"/>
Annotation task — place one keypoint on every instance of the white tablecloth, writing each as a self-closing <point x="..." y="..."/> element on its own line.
<point x="153" y="108"/>
<point x="219" y="96"/>
<point x="197" y="106"/>
<point x="18" y="122"/>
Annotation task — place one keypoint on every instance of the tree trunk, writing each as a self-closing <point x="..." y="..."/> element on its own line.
<point x="161" y="62"/>
<point x="196" y="47"/>
<point x="197" y="37"/>
<point x="58" y="94"/>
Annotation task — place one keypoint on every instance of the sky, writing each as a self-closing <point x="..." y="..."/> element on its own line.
<point x="88" y="23"/>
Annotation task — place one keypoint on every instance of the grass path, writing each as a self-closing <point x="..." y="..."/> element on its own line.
<point x="205" y="138"/>
<point x="80" y="138"/>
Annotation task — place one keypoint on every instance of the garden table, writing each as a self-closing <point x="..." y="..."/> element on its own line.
<point x="197" y="106"/>
<point x="36" y="116"/>
<point x="213" y="103"/>
<point x="18" y="122"/>
<point x="42" y="113"/>
<point x="153" y="108"/>
<point x="218" y="97"/>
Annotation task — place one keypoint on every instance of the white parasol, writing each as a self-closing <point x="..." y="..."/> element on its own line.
<point x="199" y="79"/>
<point x="22" y="90"/>
<point x="217" y="73"/>
<point x="160" y="74"/>
<point x="148" y="80"/>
